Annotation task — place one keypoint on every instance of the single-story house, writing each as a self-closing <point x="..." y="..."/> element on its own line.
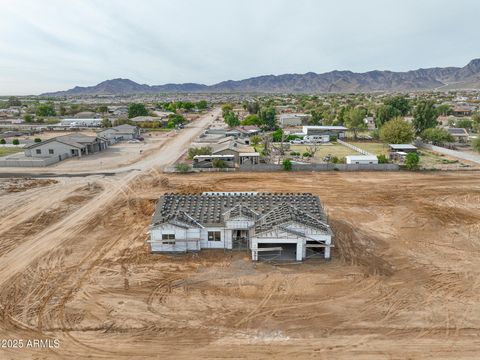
<point x="276" y="226"/>
<point x="459" y="134"/>
<point x="244" y="131"/>
<point x="293" y="119"/>
<point x="361" y="159"/>
<point x="463" y="110"/>
<point x="120" y="132"/>
<point x="207" y="161"/>
<point x="231" y="148"/>
<point x="66" y="146"/>
<point x="338" y="131"/>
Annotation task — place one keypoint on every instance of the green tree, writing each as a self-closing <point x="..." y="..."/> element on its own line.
<point x="436" y="135"/>
<point x="476" y="144"/>
<point x="28" y="118"/>
<point x="287" y="165"/>
<point x="202" y="105"/>
<point x="15" y="142"/>
<point x="227" y="108"/>
<point x="204" y="150"/>
<point x="424" y="116"/>
<point x="354" y="120"/>
<point x="255" y="140"/>
<point x="46" y="109"/>
<point x="252" y="119"/>
<point x="62" y="110"/>
<point x="102" y="109"/>
<point x="137" y="109"/>
<point x="385" y="113"/>
<point x="187" y="105"/>
<point x="37" y="140"/>
<point x="175" y="120"/>
<point x="316" y="117"/>
<point x="106" y="123"/>
<point x="267" y="118"/>
<point x="411" y="161"/>
<point x="400" y="103"/>
<point x="277" y="135"/>
<point x="14" y="101"/>
<point x="443" y="110"/>
<point x="253" y="107"/>
<point x="397" y="131"/>
<point x="476" y="121"/>
<point x="231" y="119"/>
<point x="2" y="141"/>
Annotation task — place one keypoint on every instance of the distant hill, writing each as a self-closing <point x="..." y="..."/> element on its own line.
<point x="467" y="77"/>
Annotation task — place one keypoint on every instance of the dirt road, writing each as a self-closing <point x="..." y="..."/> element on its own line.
<point x="14" y="261"/>
<point x="403" y="282"/>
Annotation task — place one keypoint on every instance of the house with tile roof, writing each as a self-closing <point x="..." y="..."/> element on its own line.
<point x="281" y="226"/>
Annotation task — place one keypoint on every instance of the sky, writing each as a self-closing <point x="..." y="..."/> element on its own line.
<point x="53" y="45"/>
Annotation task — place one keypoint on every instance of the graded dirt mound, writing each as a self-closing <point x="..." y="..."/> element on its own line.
<point x="359" y="249"/>
<point x="23" y="184"/>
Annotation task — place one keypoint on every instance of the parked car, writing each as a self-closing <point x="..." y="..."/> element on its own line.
<point x="134" y="141"/>
<point x="297" y="141"/>
<point x="140" y="138"/>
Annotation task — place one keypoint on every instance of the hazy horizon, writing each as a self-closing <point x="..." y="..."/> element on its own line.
<point x="53" y="45"/>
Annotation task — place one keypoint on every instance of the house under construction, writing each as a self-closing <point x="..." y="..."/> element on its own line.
<point x="279" y="226"/>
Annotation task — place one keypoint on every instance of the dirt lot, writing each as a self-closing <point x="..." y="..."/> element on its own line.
<point x="403" y="282"/>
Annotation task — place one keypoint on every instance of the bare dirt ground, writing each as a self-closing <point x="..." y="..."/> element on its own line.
<point x="403" y="282"/>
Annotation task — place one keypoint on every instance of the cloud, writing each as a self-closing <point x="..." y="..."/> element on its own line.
<point x="52" y="45"/>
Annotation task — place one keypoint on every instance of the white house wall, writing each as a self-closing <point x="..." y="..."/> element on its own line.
<point x="57" y="147"/>
<point x="185" y="239"/>
<point x="224" y="243"/>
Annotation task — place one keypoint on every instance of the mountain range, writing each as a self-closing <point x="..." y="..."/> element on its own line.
<point x="446" y="78"/>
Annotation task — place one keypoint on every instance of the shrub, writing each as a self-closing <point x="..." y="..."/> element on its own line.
<point x="411" y="161"/>
<point x="255" y="140"/>
<point x="204" y="150"/>
<point x="333" y="138"/>
<point x="2" y="141"/>
<point x="382" y="159"/>
<point x="294" y="153"/>
<point x="436" y="135"/>
<point x="287" y="165"/>
<point x="15" y="142"/>
<point x="218" y="163"/>
<point x="37" y="140"/>
<point x="476" y="144"/>
<point x="307" y="154"/>
<point x="335" y="160"/>
<point x="182" y="167"/>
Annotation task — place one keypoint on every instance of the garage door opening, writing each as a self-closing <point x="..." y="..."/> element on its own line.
<point x="277" y="252"/>
<point x="314" y="249"/>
